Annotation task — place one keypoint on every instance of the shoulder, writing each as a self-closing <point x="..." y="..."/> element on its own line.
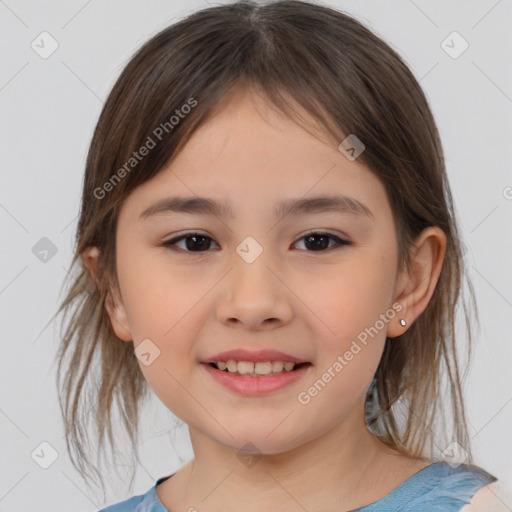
<point x="147" y="502"/>
<point x="490" y="497"/>
<point x="445" y="488"/>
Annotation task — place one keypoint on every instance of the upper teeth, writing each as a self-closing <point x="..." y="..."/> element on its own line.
<point x="260" y="368"/>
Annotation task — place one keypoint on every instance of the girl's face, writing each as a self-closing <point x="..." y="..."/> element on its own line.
<point x="254" y="280"/>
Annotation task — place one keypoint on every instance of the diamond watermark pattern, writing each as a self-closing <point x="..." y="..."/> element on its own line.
<point x="351" y="147"/>
<point x="249" y="455"/>
<point x="249" y="249"/>
<point x="44" y="455"/>
<point x="147" y="352"/>
<point x="454" y="454"/>
<point x="454" y="45"/>
<point x="44" y="45"/>
<point x="44" y="250"/>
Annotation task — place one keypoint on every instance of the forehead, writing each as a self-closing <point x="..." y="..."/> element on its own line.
<point x="254" y="155"/>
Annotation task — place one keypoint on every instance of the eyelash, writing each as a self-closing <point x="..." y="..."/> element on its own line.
<point x="171" y="244"/>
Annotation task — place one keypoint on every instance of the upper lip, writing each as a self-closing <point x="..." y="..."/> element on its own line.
<point x="242" y="354"/>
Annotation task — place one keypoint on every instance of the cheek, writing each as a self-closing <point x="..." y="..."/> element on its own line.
<point x="350" y="338"/>
<point x="349" y="298"/>
<point x="352" y="312"/>
<point x="157" y="295"/>
<point x="166" y="307"/>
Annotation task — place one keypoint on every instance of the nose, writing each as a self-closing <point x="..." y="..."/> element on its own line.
<point x="254" y="296"/>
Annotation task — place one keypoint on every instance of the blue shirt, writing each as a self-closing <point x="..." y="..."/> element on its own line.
<point x="438" y="487"/>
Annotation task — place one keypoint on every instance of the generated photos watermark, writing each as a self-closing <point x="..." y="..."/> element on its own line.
<point x="305" y="397"/>
<point x="159" y="134"/>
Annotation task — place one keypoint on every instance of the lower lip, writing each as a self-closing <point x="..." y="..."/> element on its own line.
<point x="256" y="385"/>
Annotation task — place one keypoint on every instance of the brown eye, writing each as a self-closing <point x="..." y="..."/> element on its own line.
<point x="197" y="242"/>
<point x="319" y="242"/>
<point x="194" y="242"/>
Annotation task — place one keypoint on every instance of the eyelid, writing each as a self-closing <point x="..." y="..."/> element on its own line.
<point x="340" y="240"/>
<point x="322" y="232"/>
<point x="171" y="243"/>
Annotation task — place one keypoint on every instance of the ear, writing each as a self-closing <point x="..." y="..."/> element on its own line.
<point x="415" y="285"/>
<point x="113" y="302"/>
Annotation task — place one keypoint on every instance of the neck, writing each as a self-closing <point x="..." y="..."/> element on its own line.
<point x="328" y="472"/>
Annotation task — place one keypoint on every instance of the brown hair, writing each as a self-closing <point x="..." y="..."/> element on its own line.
<point x="301" y="57"/>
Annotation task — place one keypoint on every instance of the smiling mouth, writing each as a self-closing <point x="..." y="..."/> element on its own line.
<point x="259" y="369"/>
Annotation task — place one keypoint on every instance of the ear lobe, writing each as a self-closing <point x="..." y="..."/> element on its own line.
<point x="113" y="304"/>
<point x="416" y="284"/>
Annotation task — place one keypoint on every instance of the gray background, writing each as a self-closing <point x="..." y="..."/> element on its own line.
<point x="48" y="109"/>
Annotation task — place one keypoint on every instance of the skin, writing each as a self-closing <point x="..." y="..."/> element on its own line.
<point x="292" y="298"/>
<point x="493" y="497"/>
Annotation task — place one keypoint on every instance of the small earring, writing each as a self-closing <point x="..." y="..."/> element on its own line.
<point x="403" y="322"/>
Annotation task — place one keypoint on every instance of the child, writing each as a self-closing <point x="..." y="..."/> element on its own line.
<point x="267" y="238"/>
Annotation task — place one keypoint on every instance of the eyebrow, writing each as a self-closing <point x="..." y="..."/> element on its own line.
<point x="207" y="206"/>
